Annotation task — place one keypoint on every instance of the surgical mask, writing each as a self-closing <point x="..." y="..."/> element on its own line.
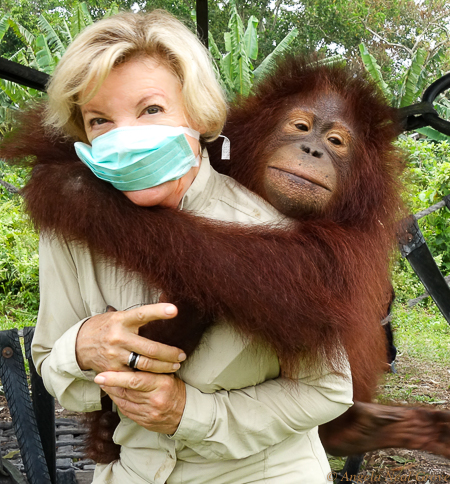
<point x="138" y="157"/>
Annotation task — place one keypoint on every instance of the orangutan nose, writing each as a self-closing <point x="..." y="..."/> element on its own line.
<point x="306" y="149"/>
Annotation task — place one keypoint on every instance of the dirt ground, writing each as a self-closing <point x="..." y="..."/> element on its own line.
<point x="415" y="383"/>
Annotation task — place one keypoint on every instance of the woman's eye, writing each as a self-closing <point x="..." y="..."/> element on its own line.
<point x="153" y="110"/>
<point x="336" y="141"/>
<point x="97" y="121"/>
<point x="302" y="126"/>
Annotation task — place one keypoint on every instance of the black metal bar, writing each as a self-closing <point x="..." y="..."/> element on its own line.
<point x="15" y="386"/>
<point x="419" y="256"/>
<point x="431" y="93"/>
<point x="446" y="200"/>
<point x="26" y="76"/>
<point x="202" y="21"/>
<point x="411" y="117"/>
<point x="349" y="473"/>
<point x="44" y="408"/>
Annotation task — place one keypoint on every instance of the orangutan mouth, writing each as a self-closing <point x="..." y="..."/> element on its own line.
<point x="299" y="177"/>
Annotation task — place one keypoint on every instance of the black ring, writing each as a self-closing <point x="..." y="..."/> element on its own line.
<point x="133" y="359"/>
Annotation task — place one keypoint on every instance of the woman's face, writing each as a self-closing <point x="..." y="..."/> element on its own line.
<point x="142" y="92"/>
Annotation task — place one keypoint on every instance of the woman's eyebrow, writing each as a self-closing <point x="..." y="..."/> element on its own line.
<point x="149" y="97"/>
<point x="92" y="111"/>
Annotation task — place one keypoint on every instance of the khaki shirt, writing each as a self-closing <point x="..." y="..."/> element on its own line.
<point x="241" y="423"/>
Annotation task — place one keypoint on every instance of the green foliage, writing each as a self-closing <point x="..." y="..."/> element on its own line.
<point x="19" y="272"/>
<point x="42" y="52"/>
<point x="374" y="70"/>
<point x="413" y="79"/>
<point x="428" y="182"/>
<point x="442" y="106"/>
<point x="410" y="82"/>
<point x="423" y="333"/>
<point x="235" y="67"/>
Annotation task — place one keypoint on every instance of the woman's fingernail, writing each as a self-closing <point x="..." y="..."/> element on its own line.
<point x="99" y="380"/>
<point x="170" y="310"/>
<point x="181" y="357"/>
<point x="176" y="366"/>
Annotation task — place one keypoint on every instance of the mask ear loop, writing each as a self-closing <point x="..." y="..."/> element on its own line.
<point x="196" y="135"/>
<point x="226" y="147"/>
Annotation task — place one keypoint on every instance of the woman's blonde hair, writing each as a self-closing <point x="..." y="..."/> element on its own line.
<point x="117" y="39"/>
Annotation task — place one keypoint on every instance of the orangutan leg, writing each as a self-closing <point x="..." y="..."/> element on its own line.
<point x="368" y="426"/>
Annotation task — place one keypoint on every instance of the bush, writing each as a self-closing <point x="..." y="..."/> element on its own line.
<point x="427" y="182"/>
<point x="19" y="262"/>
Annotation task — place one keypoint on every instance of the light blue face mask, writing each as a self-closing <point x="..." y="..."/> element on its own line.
<point x="138" y="157"/>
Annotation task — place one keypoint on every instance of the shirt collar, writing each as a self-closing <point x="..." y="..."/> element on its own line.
<point x="198" y="193"/>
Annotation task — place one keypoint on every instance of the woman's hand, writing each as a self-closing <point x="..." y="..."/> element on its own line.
<point x="105" y="341"/>
<point x="155" y="402"/>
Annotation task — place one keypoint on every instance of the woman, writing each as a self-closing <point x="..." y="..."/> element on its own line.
<point x="128" y="87"/>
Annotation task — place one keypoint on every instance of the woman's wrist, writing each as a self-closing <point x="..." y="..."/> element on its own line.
<point x="80" y="349"/>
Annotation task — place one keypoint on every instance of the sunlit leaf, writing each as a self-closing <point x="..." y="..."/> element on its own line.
<point x="251" y="38"/>
<point x="411" y="89"/>
<point x="44" y="56"/>
<point x="52" y="38"/>
<point x="22" y="33"/>
<point x="112" y="10"/>
<point x="374" y="70"/>
<point x="4" y="26"/>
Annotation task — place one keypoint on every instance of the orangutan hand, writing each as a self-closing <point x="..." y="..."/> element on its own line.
<point x="154" y="401"/>
<point x="105" y="341"/>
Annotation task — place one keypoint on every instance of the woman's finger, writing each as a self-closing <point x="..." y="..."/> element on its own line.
<point x="153" y="353"/>
<point x="119" y="394"/>
<point x="139" y="381"/>
<point x="144" y="363"/>
<point x="156" y="366"/>
<point x="137" y="317"/>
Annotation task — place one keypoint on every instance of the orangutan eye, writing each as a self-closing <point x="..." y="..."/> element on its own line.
<point x="336" y="141"/>
<point x="302" y="126"/>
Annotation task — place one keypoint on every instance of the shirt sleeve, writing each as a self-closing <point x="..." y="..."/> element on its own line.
<point x="238" y="423"/>
<point x="62" y="311"/>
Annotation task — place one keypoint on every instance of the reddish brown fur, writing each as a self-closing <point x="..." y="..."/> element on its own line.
<point x="301" y="291"/>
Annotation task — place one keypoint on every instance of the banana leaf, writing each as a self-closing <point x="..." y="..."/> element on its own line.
<point x="44" y="55"/>
<point x="433" y="134"/>
<point x="65" y="32"/>
<point x="21" y="32"/>
<point x="4" y="26"/>
<point x="251" y="38"/>
<point x="52" y="38"/>
<point x="112" y="10"/>
<point x="213" y="49"/>
<point x="80" y="19"/>
<point x="411" y="88"/>
<point x="16" y="93"/>
<point x="374" y="70"/>
<point x="269" y="63"/>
